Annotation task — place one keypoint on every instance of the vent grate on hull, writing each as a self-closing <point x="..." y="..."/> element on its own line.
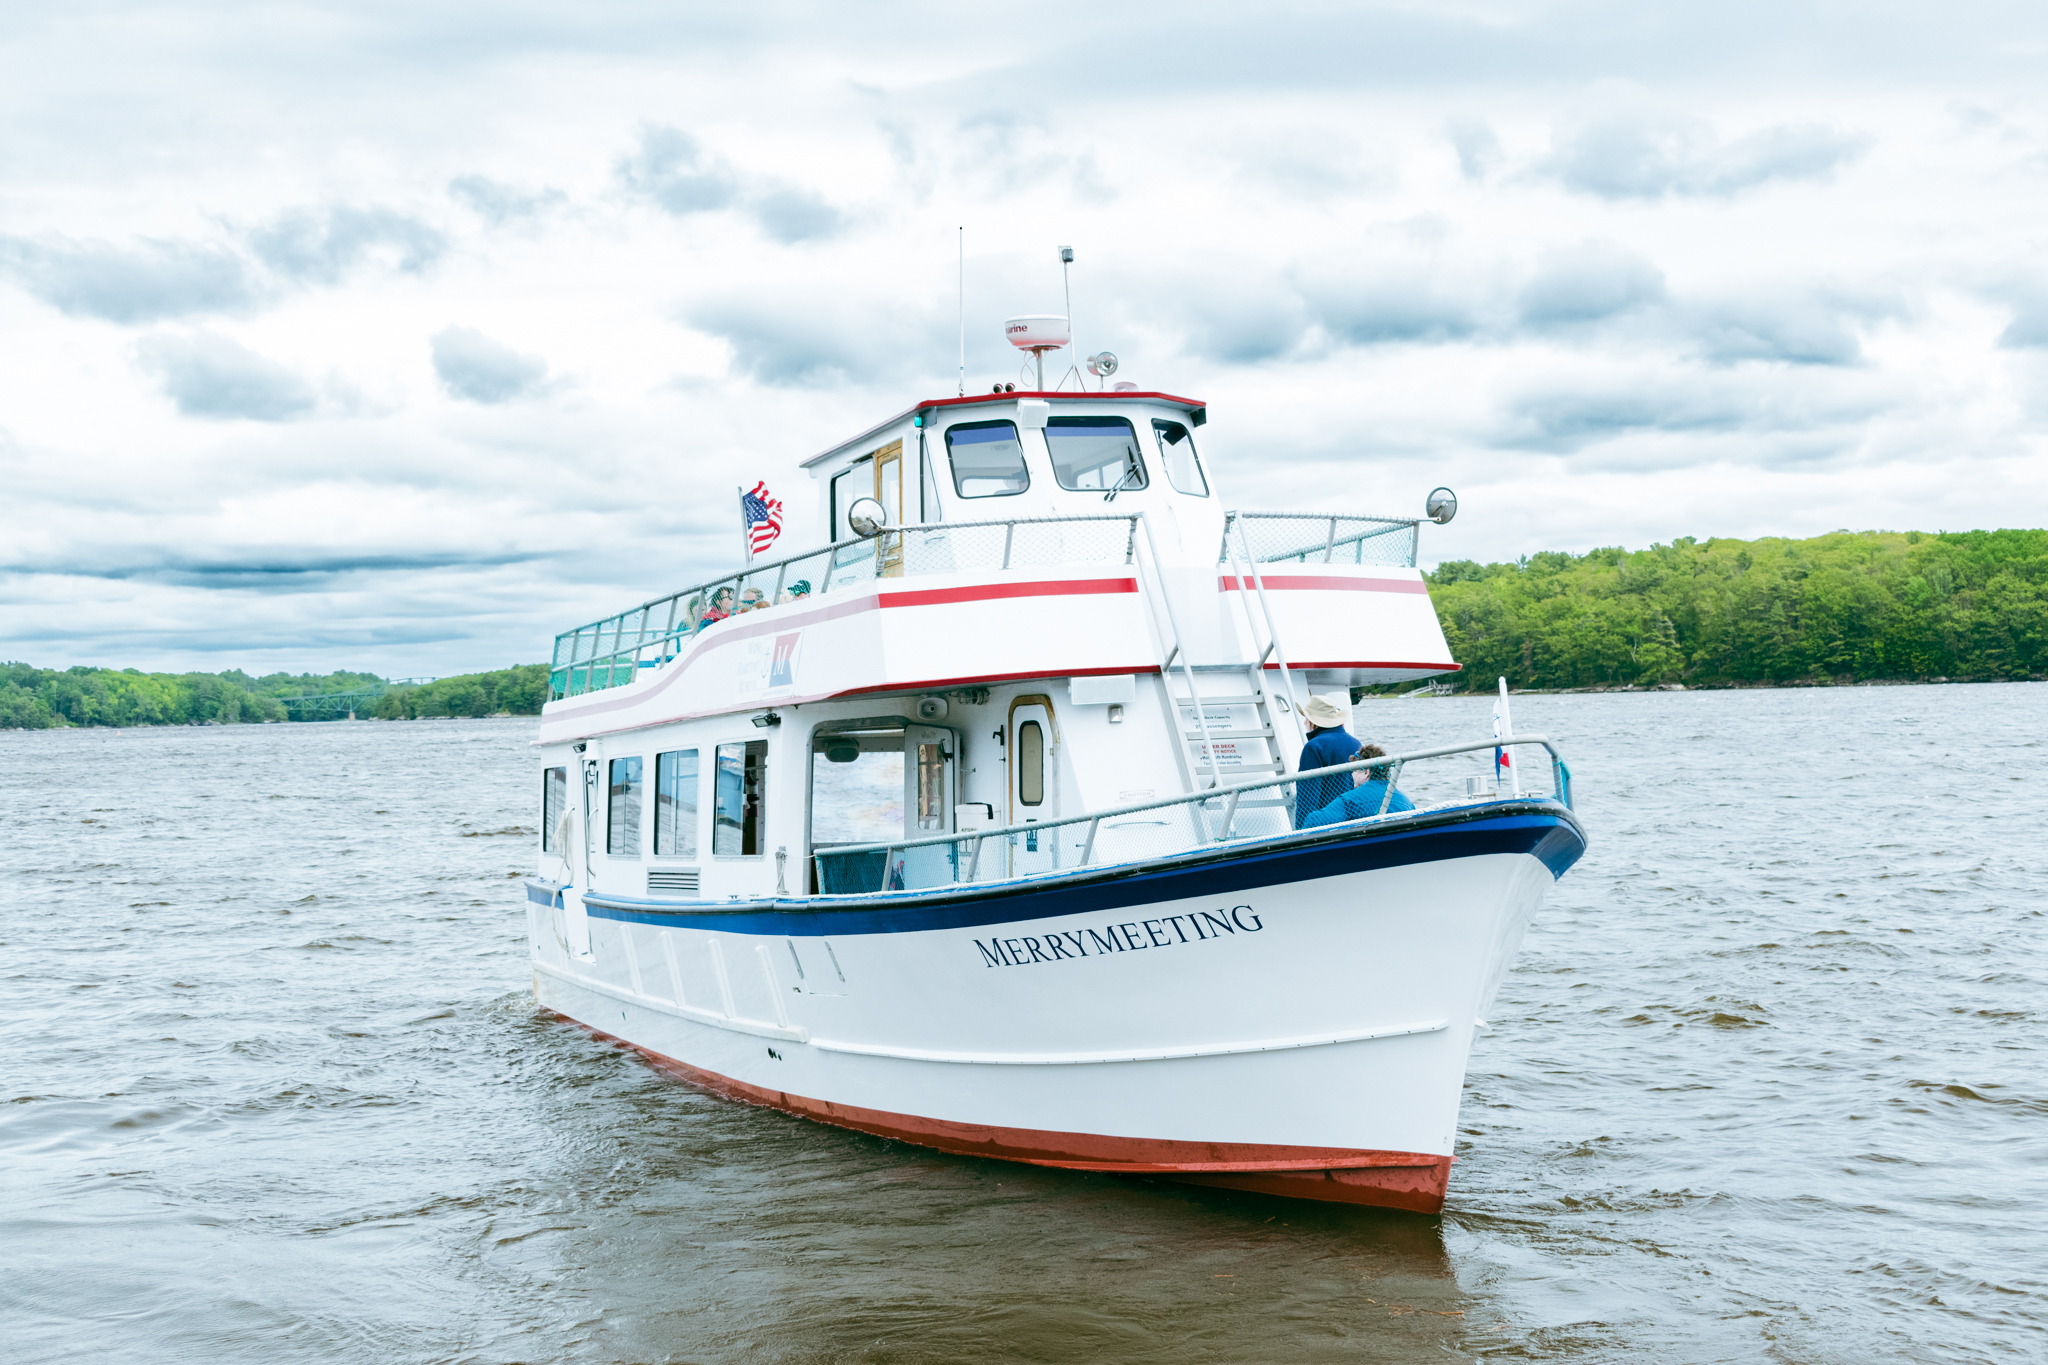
<point x="672" y="880"/>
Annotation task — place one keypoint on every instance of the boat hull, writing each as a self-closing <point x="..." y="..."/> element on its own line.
<point x="1293" y="1016"/>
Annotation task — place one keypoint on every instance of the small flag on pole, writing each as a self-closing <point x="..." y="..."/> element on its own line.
<point x="1504" y="766"/>
<point x="761" y="516"/>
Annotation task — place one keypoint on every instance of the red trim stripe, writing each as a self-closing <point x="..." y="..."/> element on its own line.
<point x="1415" y="1181"/>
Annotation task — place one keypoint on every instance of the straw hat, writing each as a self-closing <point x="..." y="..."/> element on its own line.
<point x="1332" y="712"/>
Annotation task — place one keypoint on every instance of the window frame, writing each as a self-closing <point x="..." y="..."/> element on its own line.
<point x="1035" y="772"/>
<point x="1016" y="437"/>
<point x="1159" y="427"/>
<point x="628" y="830"/>
<point x="748" y="749"/>
<point x="677" y="825"/>
<point x="1073" y="421"/>
<point x="554" y="804"/>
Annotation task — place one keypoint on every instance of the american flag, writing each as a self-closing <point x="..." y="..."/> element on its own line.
<point x="762" y="515"/>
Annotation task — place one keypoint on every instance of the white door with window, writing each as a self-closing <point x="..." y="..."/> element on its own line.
<point x="1032" y="745"/>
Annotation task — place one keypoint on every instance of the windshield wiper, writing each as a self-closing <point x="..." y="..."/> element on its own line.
<point x="1130" y="469"/>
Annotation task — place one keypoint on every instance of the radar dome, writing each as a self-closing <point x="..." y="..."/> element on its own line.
<point x="1038" y="332"/>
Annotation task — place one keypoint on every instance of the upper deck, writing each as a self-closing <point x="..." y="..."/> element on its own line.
<point x="991" y="483"/>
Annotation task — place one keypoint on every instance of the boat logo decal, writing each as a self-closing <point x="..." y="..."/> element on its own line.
<point x="1119" y="938"/>
<point x="767" y="663"/>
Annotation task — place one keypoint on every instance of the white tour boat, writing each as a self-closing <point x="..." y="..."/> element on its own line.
<point x="976" y="827"/>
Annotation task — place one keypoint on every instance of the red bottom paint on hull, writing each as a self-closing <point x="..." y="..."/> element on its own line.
<point x="1412" y="1181"/>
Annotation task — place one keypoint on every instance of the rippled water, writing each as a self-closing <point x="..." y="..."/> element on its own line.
<point x="1769" y="1083"/>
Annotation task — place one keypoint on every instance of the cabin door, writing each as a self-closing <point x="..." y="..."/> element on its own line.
<point x="889" y="493"/>
<point x="1032" y="746"/>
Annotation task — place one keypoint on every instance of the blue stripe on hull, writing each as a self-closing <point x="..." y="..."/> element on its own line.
<point x="1551" y="835"/>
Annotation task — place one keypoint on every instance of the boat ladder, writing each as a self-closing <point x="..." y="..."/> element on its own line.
<point x="1208" y="749"/>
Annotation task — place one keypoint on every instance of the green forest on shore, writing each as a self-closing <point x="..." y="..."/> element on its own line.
<point x="1853" y="606"/>
<point x="41" y="698"/>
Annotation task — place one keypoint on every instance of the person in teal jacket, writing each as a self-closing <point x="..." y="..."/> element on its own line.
<point x="1363" y="799"/>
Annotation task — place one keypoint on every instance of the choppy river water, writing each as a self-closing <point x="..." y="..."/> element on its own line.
<point x="1769" y="1083"/>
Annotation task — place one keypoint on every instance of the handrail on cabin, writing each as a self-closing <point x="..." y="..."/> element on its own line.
<point x="1230" y="794"/>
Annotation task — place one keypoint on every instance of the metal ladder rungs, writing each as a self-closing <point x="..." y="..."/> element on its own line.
<point x="1225" y="701"/>
<point x="1195" y="736"/>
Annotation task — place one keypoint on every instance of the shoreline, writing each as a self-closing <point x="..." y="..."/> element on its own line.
<point x="1744" y="686"/>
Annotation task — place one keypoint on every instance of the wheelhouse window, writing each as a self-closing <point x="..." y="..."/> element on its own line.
<point x="849" y="486"/>
<point x="857" y="786"/>
<point x="675" y="804"/>
<point x="1030" y="764"/>
<point x="1177" y="453"/>
<point x="740" y="804"/>
<point x="622" y="822"/>
<point x="1095" y="454"/>
<point x="987" y="459"/>
<point x="554" y="804"/>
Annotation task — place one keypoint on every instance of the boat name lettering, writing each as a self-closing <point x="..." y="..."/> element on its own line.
<point x="1166" y="932"/>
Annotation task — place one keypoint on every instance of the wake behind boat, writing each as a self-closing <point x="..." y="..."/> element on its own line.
<point x="978" y="826"/>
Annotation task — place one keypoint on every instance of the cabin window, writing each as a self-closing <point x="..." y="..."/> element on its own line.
<point x="848" y="486"/>
<point x="1095" y="453"/>
<point x="554" y="804"/>
<point x="1177" y="453"/>
<point x="857" y="786"/>
<point x="988" y="460"/>
<point x="1030" y="764"/>
<point x="740" y="812"/>
<point x="622" y="823"/>
<point x="675" y="804"/>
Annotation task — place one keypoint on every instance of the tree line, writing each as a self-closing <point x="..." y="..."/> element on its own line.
<point x="1844" y="607"/>
<point x="41" y="698"/>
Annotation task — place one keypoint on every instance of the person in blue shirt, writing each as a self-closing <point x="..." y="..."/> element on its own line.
<point x="1329" y="743"/>
<point x="1363" y="799"/>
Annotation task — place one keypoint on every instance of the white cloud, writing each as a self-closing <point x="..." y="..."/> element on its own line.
<point x="210" y="376"/>
<point x="473" y="366"/>
<point x="1393" y="246"/>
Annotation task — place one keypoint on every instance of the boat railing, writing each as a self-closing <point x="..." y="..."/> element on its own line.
<point x="1134" y="833"/>
<point x="612" y="651"/>
<point x="1323" y="538"/>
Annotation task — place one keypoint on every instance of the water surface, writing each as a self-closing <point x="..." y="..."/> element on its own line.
<point x="1769" y="1083"/>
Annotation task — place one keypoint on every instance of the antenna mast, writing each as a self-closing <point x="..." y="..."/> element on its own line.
<point x="1067" y="290"/>
<point x="962" y="294"/>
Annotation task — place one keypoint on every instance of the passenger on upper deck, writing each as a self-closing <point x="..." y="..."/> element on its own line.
<point x="720" y="608"/>
<point x="1365" y="798"/>
<point x="1329" y="743"/>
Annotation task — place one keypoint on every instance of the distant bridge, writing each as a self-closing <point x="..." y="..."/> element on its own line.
<point x="344" y="705"/>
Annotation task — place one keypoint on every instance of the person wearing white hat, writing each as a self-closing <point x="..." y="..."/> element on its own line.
<point x="1329" y="743"/>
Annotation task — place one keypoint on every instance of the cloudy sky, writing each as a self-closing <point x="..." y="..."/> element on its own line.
<point x="402" y="335"/>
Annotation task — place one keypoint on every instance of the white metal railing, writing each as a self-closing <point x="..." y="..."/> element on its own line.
<point x="1186" y="823"/>
<point x="1323" y="538"/>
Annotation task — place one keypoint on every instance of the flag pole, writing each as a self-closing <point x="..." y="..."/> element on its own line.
<point x="1503" y="724"/>
<point x="746" y="541"/>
